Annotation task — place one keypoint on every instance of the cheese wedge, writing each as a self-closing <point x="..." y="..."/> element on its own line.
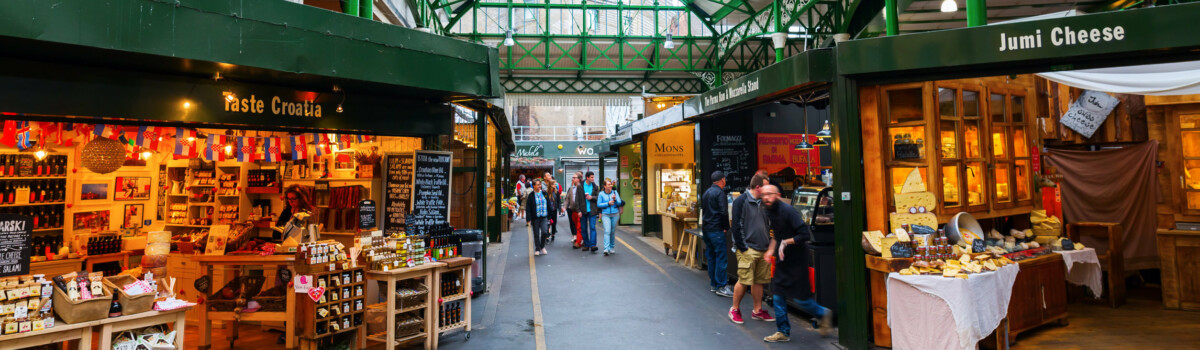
<point x="1079" y="246"/>
<point x="950" y="272"/>
<point x="924" y="219"/>
<point x="961" y="275"/>
<point x="885" y="246"/>
<point x="913" y="182"/>
<point x="964" y="259"/>
<point x="990" y="265"/>
<point x="906" y="272"/>
<point x="873" y="240"/>
<point x="902" y="235"/>
<point x="914" y="200"/>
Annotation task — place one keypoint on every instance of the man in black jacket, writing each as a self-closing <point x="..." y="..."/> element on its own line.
<point x="585" y="204"/>
<point x="791" y="272"/>
<point x="752" y="240"/>
<point x="539" y="207"/>
<point x="716" y="223"/>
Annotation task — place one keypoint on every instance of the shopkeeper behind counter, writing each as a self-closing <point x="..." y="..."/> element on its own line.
<point x="293" y="198"/>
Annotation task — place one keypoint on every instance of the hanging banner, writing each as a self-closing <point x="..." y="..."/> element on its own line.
<point x="778" y="151"/>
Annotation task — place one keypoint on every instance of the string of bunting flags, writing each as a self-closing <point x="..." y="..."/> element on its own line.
<point x="181" y="142"/>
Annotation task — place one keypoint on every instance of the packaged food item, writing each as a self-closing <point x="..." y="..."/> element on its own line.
<point x="97" y="284"/>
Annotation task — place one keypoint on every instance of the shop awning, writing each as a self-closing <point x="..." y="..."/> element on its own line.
<point x="1181" y="78"/>
<point x="273" y="41"/>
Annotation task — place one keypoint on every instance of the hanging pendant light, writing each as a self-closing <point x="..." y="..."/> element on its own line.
<point x="103" y="155"/>
<point x="949" y="6"/>
<point x="508" y="38"/>
<point x="820" y="143"/>
<point x="668" y="44"/>
<point x="804" y="146"/>
<point x="825" y="132"/>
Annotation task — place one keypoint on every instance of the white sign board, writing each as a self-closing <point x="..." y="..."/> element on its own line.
<point x="1088" y="112"/>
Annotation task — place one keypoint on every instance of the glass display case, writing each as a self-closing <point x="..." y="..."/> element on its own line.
<point x="981" y="135"/>
<point x="676" y="190"/>
<point x="1189" y="134"/>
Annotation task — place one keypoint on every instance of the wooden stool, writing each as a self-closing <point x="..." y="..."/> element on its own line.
<point x="1112" y="261"/>
<point x="686" y="244"/>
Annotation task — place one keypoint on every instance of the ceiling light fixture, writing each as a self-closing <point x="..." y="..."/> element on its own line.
<point x="949" y="6"/>
<point x="668" y="44"/>
<point x="508" y="38"/>
<point x="825" y="131"/>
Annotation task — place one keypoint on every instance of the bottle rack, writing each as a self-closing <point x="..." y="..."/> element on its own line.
<point x="341" y="309"/>
<point x="205" y="195"/>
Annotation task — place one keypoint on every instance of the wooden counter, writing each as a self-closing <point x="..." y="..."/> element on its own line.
<point x="1039" y="294"/>
<point x="1179" y="251"/>
<point x="673" y="229"/>
<point x="57" y="267"/>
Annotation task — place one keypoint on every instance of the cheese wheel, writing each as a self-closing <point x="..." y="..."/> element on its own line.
<point x="912" y="202"/>
<point x="158" y="237"/>
<point x="158" y="248"/>
<point x="913" y="182"/>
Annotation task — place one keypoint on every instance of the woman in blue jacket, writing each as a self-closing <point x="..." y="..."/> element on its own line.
<point x="610" y="204"/>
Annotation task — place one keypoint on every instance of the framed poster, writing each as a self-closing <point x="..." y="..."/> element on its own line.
<point x="133" y="215"/>
<point x="343" y="160"/>
<point x="94" y="192"/>
<point x="130" y="188"/>
<point x="94" y="220"/>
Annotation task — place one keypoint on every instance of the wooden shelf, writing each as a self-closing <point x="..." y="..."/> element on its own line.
<point x="30" y="204"/>
<point x="182" y="225"/>
<point x="462" y="324"/>
<point x="33" y="178"/>
<point x="382" y="337"/>
<point x="458" y="297"/>
<point x="47" y="229"/>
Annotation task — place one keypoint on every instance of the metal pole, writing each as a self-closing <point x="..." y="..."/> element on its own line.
<point x="350" y="7"/>
<point x="481" y="171"/>
<point x="976" y="13"/>
<point x="778" y="29"/>
<point x="366" y="9"/>
<point x="891" y="17"/>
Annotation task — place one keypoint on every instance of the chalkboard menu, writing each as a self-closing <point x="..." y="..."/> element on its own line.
<point x="398" y="193"/>
<point x="16" y="232"/>
<point x="731" y="156"/>
<point x="366" y="214"/>
<point x="431" y="188"/>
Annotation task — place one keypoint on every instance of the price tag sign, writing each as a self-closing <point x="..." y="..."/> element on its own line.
<point x="1088" y="112"/>
<point x="366" y="214"/>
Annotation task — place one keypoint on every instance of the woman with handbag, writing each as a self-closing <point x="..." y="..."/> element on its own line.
<point x="610" y="204"/>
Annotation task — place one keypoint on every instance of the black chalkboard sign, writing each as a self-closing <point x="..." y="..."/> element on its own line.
<point x="202" y="284"/>
<point x="366" y="214"/>
<point x="731" y="155"/>
<point x="397" y="196"/>
<point x="16" y="232"/>
<point x="431" y="188"/>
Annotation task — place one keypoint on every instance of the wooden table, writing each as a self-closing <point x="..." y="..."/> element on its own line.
<point x="673" y="229"/>
<point x="121" y="257"/>
<point x="83" y="331"/>
<point x="1179" y="249"/>
<point x="177" y="318"/>
<point x="878" y="270"/>
<point x="425" y="271"/>
<point x="462" y="265"/>
<point x="206" y="263"/>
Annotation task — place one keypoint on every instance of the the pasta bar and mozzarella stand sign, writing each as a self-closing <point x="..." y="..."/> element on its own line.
<point x="398" y="190"/>
<point x="16" y="231"/>
<point x="431" y="188"/>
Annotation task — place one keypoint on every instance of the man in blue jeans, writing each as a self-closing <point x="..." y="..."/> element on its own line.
<point x="789" y="232"/>
<point x="585" y="203"/>
<point x="716" y="223"/>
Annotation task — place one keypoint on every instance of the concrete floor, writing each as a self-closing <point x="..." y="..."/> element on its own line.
<point x="637" y="298"/>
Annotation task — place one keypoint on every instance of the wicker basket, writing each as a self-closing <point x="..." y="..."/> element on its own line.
<point x="408" y="325"/>
<point x="129" y="304"/>
<point x="81" y="311"/>
<point x="407" y="301"/>
<point x="247" y="285"/>
<point x="273" y="300"/>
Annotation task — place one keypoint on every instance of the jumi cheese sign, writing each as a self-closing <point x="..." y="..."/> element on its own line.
<point x="303" y="104"/>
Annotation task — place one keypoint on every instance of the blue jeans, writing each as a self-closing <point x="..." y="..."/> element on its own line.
<point x="610" y="231"/>
<point x="715" y="253"/>
<point x="589" y="230"/>
<point x="809" y="306"/>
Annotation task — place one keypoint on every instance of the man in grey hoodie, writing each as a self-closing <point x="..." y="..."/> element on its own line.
<point x="752" y="239"/>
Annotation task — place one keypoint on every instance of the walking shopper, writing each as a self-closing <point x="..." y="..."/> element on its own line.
<point x="610" y="204"/>
<point x="555" y="193"/>
<point x="791" y="273"/>
<point x="572" y="214"/>
<point x="521" y="188"/>
<point x="716" y="225"/>
<point x="752" y="240"/>
<point x="538" y="208"/>
<point x="586" y="197"/>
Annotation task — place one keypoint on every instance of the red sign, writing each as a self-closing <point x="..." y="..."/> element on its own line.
<point x="1037" y="160"/>
<point x="778" y="151"/>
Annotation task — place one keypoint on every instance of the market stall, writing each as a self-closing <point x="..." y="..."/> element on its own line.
<point x="978" y="132"/>
<point x="139" y="161"/>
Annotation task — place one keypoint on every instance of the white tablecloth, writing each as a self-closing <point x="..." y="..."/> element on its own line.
<point x="935" y="312"/>
<point x="1083" y="268"/>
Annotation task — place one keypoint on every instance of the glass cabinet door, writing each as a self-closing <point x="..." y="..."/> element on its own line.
<point x="971" y="132"/>
<point x="949" y="140"/>
<point x="1190" y="150"/>
<point x="1003" y="183"/>
<point x="1024" y="183"/>
<point x="951" y="186"/>
<point x="905" y="105"/>
<point x="976" y="184"/>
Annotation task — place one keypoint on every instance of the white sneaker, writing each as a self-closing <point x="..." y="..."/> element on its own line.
<point x="536" y="253"/>
<point x="544" y="252"/>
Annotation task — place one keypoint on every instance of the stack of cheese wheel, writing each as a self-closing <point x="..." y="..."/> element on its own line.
<point x="158" y="247"/>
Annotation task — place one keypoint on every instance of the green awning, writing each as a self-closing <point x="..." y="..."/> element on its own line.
<point x="276" y="42"/>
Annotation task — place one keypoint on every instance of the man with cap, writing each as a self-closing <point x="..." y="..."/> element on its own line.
<point x="714" y="209"/>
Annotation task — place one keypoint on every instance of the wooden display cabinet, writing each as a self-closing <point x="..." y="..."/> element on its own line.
<point x="343" y="303"/>
<point x="969" y="139"/>
<point x="1183" y="123"/>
